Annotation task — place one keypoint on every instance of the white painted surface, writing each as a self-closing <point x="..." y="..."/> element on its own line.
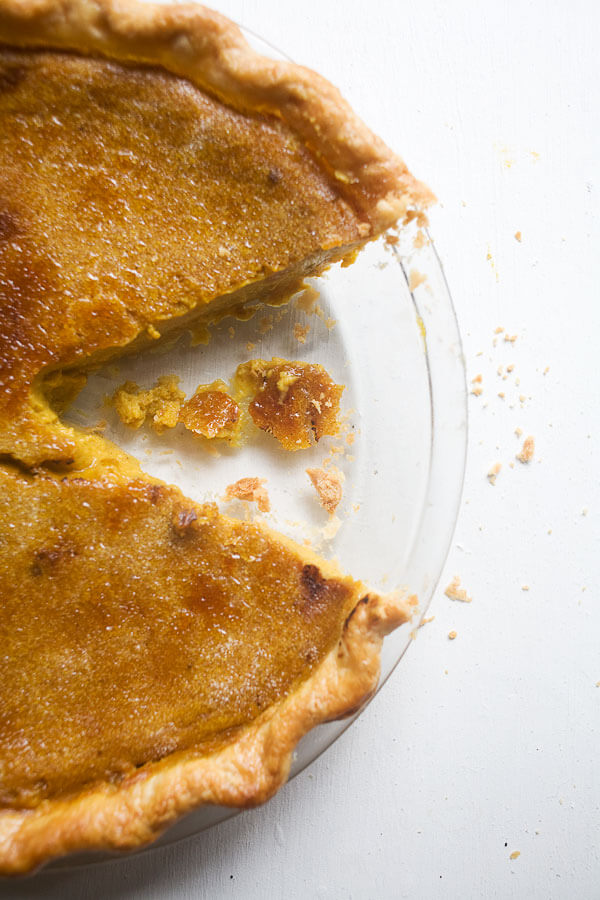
<point x="487" y="744"/>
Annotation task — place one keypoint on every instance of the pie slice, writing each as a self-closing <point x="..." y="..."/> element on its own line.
<point x="155" y="174"/>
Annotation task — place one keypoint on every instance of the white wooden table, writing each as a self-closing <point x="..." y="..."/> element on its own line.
<point x="488" y="744"/>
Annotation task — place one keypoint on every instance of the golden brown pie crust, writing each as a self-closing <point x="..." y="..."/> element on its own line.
<point x="370" y="189"/>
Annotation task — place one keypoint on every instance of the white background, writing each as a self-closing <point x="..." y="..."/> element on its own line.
<point x="490" y="743"/>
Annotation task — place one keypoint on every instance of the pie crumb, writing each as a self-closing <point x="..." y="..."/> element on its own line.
<point x="452" y="635"/>
<point x="419" y="240"/>
<point x="518" y="236"/>
<point x="515" y="854"/>
<point x="493" y="473"/>
<point x="524" y="587"/>
<point x="518" y="432"/>
<point x="328" y="485"/>
<point x="526" y="454"/>
<point x="498" y="330"/>
<point x="415" y="279"/>
<point x="510" y="338"/>
<point x="250" y="346"/>
<point x="455" y="592"/>
<point x="426" y="620"/>
<point x="301" y="332"/>
<point x="251" y="489"/>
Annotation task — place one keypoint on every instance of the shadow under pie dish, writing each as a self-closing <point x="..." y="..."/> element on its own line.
<point x="155" y="173"/>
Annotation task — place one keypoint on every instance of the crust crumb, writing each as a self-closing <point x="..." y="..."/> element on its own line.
<point x="498" y="330"/>
<point x="510" y="338"/>
<point x="330" y="323"/>
<point x="231" y="331"/>
<point x="518" y="236"/>
<point x="518" y="432"/>
<point x="251" y="489"/>
<point x="515" y="854"/>
<point x="301" y="332"/>
<point x="350" y="438"/>
<point x="455" y="592"/>
<point x="250" y="346"/>
<point x="452" y="635"/>
<point x="426" y="621"/>
<point x="420" y="240"/>
<point x="415" y="278"/>
<point x="527" y="451"/>
<point x="510" y="368"/>
<point x="328" y="485"/>
<point x="477" y="389"/>
<point x="332" y="527"/>
<point x="493" y="473"/>
<point x="524" y="587"/>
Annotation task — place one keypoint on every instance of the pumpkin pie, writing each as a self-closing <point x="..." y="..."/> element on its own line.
<point x="156" y="174"/>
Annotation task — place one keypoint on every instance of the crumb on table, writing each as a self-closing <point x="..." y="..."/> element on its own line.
<point x="527" y="451"/>
<point x="493" y="472"/>
<point x="455" y="592"/>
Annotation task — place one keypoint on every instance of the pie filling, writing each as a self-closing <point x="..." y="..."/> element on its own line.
<point x="184" y="626"/>
<point x="130" y="199"/>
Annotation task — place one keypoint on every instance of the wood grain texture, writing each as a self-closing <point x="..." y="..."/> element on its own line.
<point x="487" y="744"/>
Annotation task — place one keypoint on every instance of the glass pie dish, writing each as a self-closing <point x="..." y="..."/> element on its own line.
<point x="385" y="328"/>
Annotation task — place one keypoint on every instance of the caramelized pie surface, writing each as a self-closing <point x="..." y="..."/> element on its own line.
<point x="135" y="625"/>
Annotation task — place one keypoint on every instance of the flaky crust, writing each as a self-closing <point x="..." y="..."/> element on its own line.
<point x="209" y="50"/>
<point x="243" y="774"/>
